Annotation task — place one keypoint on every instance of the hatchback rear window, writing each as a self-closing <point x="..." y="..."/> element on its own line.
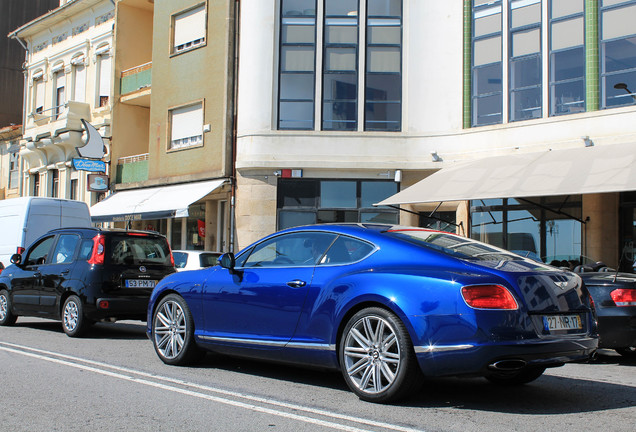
<point x="458" y="247"/>
<point x="137" y="250"/>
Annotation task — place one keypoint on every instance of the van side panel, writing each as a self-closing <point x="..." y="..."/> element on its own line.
<point x="12" y="216"/>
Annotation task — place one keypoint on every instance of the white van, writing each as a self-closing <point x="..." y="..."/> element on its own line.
<point x="23" y="220"/>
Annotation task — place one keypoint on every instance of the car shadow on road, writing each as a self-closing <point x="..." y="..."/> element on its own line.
<point x="126" y="330"/>
<point x="550" y="394"/>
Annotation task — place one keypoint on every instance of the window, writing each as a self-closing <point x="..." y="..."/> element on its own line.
<point x="103" y="79"/>
<point x="618" y="53"/>
<point x="297" y="65"/>
<point x="79" y="80"/>
<point x="186" y="126"/>
<point x="487" y="65"/>
<point x="65" y="248"/>
<point x="55" y="183"/>
<point x="35" y="179"/>
<point x="40" y="252"/>
<point x="309" y="201"/>
<point x="73" y="192"/>
<point x="189" y="29"/>
<point x="525" y="60"/>
<point x="343" y="89"/>
<point x="567" y="57"/>
<point x="60" y="92"/>
<point x="291" y="250"/>
<point x="14" y="169"/>
<point x="38" y="95"/>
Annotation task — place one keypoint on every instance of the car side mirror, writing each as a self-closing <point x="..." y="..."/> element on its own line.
<point x="227" y="261"/>
<point x="16" y="259"/>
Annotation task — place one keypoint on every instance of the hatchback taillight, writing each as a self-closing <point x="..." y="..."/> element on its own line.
<point x="624" y="297"/>
<point x="488" y="297"/>
<point x="99" y="247"/>
<point x="20" y="250"/>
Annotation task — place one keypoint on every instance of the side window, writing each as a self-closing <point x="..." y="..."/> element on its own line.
<point x="65" y="248"/>
<point x="347" y="250"/>
<point x="295" y="249"/>
<point x="39" y="252"/>
<point x="86" y="249"/>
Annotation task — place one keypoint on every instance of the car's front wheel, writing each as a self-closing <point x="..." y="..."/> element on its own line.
<point x="7" y="317"/>
<point x="629" y="352"/>
<point x="173" y="332"/>
<point x="73" y="321"/>
<point x="377" y="357"/>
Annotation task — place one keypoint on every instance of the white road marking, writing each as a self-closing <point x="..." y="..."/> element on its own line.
<point x="97" y="367"/>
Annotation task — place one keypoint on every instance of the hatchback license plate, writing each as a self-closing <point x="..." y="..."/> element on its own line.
<point x="562" y="322"/>
<point x="140" y="283"/>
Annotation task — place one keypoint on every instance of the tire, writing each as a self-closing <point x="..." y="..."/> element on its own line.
<point x="7" y="318"/>
<point x="173" y="332"/>
<point x="523" y="376"/>
<point x="629" y="352"/>
<point x="74" y="322"/>
<point x="377" y="357"/>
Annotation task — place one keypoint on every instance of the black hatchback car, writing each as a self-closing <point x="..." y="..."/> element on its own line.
<point x="84" y="275"/>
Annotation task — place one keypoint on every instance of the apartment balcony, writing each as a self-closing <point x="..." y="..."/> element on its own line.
<point x="61" y="124"/>
<point x="132" y="169"/>
<point x="136" y="85"/>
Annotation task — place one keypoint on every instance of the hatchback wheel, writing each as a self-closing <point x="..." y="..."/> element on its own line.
<point x="173" y="332"/>
<point x="7" y="318"/>
<point x="73" y="321"/>
<point x="377" y="357"/>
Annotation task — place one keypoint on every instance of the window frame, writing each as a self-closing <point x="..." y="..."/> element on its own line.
<point x="172" y="49"/>
<point x="169" y="148"/>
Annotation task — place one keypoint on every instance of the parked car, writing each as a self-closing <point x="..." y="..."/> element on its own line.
<point x="614" y="300"/>
<point x="384" y="304"/>
<point x="194" y="259"/>
<point x="83" y="275"/>
<point x="25" y="219"/>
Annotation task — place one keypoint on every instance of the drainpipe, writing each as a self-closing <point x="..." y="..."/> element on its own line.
<point x="237" y="20"/>
<point x="25" y="72"/>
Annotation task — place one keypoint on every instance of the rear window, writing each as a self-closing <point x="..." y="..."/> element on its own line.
<point x="455" y="246"/>
<point x="138" y="250"/>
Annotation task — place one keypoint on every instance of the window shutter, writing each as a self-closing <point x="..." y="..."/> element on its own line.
<point x="189" y="26"/>
<point x="187" y="122"/>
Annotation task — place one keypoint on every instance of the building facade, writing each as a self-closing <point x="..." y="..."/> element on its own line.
<point x="342" y="103"/>
<point x="68" y="72"/>
<point x="172" y="118"/>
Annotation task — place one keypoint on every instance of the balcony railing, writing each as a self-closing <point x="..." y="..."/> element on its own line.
<point x="137" y="78"/>
<point x="132" y="169"/>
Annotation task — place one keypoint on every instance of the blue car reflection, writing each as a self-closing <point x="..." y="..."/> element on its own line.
<point x="387" y="305"/>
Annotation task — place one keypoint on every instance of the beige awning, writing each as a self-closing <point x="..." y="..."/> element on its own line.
<point x="582" y="170"/>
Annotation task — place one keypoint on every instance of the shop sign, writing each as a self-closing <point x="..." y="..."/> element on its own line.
<point x="89" y="165"/>
<point x="97" y="183"/>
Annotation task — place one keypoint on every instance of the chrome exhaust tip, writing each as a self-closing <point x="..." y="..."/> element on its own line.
<point x="508" y="365"/>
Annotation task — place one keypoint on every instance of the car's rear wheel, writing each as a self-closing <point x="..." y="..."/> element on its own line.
<point x="7" y="317"/>
<point x="377" y="357"/>
<point x="173" y="332"/>
<point x="522" y="376"/>
<point x="627" y="352"/>
<point x="73" y="321"/>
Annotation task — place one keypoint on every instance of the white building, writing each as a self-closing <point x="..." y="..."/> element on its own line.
<point x="68" y="77"/>
<point x="343" y="102"/>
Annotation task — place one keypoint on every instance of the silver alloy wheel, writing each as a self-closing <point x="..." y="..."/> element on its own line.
<point x="71" y="316"/>
<point x="372" y="354"/>
<point x="3" y="307"/>
<point x="170" y="329"/>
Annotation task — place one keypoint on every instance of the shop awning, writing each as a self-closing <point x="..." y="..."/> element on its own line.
<point x="152" y="203"/>
<point x="583" y="170"/>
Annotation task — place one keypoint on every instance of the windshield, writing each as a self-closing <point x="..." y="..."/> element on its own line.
<point x="455" y="246"/>
<point x="138" y="250"/>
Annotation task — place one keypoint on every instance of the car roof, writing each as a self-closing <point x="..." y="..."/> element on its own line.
<point x="105" y="230"/>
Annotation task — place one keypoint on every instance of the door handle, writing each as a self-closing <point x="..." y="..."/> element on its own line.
<point x="297" y="283"/>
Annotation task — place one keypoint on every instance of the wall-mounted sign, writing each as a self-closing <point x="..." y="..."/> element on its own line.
<point x="94" y="147"/>
<point x="89" y="165"/>
<point x="97" y="183"/>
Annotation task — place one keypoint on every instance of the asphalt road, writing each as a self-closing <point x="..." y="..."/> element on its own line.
<point x="112" y="380"/>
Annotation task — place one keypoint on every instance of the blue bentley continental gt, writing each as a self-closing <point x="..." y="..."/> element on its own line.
<point x="387" y="305"/>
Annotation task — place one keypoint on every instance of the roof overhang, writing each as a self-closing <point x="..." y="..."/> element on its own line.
<point x="582" y="170"/>
<point x="152" y="203"/>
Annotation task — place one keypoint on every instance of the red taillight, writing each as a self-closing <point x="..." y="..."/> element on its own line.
<point x="20" y="250"/>
<point x="103" y="304"/>
<point x="99" y="246"/>
<point x="488" y="297"/>
<point x="624" y="297"/>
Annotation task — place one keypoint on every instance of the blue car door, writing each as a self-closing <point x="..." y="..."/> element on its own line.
<point x="259" y="303"/>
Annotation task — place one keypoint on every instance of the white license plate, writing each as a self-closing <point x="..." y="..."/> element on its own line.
<point x="562" y="322"/>
<point x="140" y="283"/>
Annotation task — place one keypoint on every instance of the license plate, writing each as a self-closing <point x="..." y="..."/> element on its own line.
<point x="562" y="322"/>
<point x="140" y="283"/>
